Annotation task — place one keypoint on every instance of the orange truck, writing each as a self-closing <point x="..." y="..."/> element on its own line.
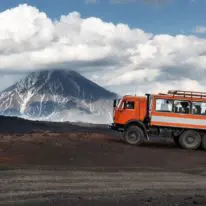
<point x="180" y="115"/>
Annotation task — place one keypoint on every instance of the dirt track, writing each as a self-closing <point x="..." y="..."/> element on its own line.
<point x="86" y="187"/>
<point x="89" y="168"/>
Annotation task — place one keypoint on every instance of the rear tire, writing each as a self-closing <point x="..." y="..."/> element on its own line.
<point x="134" y="135"/>
<point x="190" y="140"/>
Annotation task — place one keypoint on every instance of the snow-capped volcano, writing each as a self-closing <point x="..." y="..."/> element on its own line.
<point x="57" y="95"/>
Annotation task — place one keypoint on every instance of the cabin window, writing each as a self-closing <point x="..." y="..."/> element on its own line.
<point x="150" y="103"/>
<point x="181" y="107"/>
<point x="119" y="102"/>
<point x="129" y="105"/>
<point x="199" y="108"/>
<point x="164" y="105"/>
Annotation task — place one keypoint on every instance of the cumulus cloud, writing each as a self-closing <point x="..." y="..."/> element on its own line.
<point x="130" y="1"/>
<point x="200" y="29"/>
<point x="90" y="1"/>
<point x="116" y="56"/>
<point x="154" y="2"/>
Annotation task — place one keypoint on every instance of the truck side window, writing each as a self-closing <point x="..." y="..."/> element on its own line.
<point x="164" y="105"/>
<point x="181" y="107"/>
<point x="199" y="108"/>
<point x="129" y="105"/>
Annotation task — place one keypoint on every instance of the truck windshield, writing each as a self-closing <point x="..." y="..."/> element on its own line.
<point x="119" y="101"/>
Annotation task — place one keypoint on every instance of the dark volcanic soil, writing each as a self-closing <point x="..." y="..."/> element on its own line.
<point x="64" y="164"/>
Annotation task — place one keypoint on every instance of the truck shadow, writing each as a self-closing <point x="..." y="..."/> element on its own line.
<point x="161" y="144"/>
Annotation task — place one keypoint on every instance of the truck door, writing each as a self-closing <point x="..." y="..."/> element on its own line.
<point x="128" y="111"/>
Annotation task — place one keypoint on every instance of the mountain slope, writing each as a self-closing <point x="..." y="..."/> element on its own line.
<point x="57" y="95"/>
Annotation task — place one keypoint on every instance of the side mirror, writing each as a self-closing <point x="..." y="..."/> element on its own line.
<point x="114" y="103"/>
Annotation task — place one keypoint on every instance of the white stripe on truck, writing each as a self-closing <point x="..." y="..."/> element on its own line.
<point x="177" y="120"/>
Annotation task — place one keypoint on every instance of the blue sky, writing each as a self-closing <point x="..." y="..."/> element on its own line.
<point x="116" y="57"/>
<point x="177" y="16"/>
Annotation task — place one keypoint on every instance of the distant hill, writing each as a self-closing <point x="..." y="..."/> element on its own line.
<point x="16" y="125"/>
<point x="57" y="95"/>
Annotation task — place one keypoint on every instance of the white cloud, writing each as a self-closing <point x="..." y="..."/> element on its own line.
<point x="115" y="56"/>
<point x="91" y="1"/>
<point x="200" y="29"/>
<point x="140" y="1"/>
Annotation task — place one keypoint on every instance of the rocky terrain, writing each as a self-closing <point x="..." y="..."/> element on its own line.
<point x="44" y="163"/>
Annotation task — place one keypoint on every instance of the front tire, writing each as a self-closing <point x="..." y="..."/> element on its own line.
<point x="190" y="140"/>
<point x="134" y="135"/>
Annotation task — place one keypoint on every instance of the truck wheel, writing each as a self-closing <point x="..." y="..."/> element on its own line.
<point x="190" y="140"/>
<point x="203" y="142"/>
<point x="134" y="135"/>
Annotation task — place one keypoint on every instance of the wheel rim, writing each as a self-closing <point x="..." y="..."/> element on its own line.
<point x="133" y="137"/>
<point x="190" y="139"/>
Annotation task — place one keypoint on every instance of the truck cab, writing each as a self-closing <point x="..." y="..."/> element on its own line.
<point x="129" y="108"/>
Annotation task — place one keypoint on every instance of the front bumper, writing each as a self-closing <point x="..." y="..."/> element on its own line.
<point x="113" y="126"/>
<point x="116" y="127"/>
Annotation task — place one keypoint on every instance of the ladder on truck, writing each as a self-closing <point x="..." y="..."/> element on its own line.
<point x="187" y="93"/>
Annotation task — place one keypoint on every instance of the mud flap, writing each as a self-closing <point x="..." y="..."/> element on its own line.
<point x="204" y="142"/>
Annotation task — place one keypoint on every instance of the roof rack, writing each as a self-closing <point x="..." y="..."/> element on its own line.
<point x="187" y="93"/>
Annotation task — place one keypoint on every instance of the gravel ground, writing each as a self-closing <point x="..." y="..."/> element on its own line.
<point x="90" y="168"/>
<point x="71" y="187"/>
